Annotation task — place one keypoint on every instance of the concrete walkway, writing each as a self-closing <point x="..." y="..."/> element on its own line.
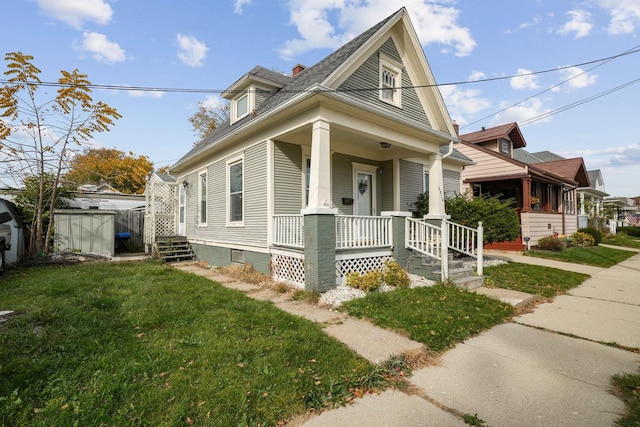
<point x="522" y="373"/>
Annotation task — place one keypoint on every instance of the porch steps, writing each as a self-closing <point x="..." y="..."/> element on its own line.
<point x="173" y="249"/>
<point x="463" y="277"/>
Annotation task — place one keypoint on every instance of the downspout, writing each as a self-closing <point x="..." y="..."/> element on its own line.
<point x="448" y="153"/>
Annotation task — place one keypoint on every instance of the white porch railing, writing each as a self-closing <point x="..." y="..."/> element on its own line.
<point x="435" y="241"/>
<point x="288" y="230"/>
<point x="468" y="241"/>
<point x="424" y="237"/>
<point x="358" y="232"/>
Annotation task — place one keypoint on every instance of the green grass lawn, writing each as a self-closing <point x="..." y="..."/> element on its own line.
<point x="533" y="279"/>
<point x="145" y="344"/>
<point x="438" y="316"/>
<point x="598" y="256"/>
<point x="622" y="239"/>
<point x="627" y="387"/>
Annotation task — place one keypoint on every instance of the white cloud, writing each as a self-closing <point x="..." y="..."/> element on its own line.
<point x="462" y="103"/>
<point x="191" y="51"/>
<point x="145" y="94"/>
<point x="476" y="75"/>
<point x="577" y="78"/>
<point x="612" y="156"/>
<point x="76" y="12"/>
<point x="331" y="23"/>
<point x="239" y="6"/>
<point x="625" y="15"/>
<point x="521" y="112"/>
<point x="101" y="48"/>
<point x="525" y="80"/>
<point x="580" y="23"/>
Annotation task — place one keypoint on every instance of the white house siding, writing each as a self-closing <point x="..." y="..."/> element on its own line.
<point x="537" y="225"/>
<point x="369" y="72"/>
<point x="411" y="184"/>
<point x="288" y="178"/>
<point x="487" y="165"/>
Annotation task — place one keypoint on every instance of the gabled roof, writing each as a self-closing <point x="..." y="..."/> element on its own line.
<point x="305" y="83"/>
<point x="547" y="156"/>
<point x="509" y="131"/>
<point x="572" y="169"/>
<point x="258" y="74"/>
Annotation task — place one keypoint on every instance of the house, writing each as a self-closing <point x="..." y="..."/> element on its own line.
<point x="17" y="244"/>
<point x="591" y="202"/>
<point x="543" y="185"/>
<point x="625" y="211"/>
<point x="315" y="173"/>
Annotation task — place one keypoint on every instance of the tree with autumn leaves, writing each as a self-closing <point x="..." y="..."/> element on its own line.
<point x="39" y="135"/>
<point x="126" y="173"/>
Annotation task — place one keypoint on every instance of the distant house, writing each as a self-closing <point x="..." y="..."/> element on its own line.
<point x="17" y="250"/>
<point x="307" y="177"/>
<point x="543" y="185"/>
<point x="626" y="213"/>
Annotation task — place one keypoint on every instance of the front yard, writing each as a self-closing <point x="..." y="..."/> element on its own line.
<point x="145" y="344"/>
<point x="598" y="256"/>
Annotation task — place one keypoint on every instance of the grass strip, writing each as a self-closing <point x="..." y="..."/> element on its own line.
<point x="622" y="239"/>
<point x="546" y="282"/>
<point x="627" y="387"/>
<point x="141" y="343"/>
<point x="598" y="256"/>
<point x="439" y="316"/>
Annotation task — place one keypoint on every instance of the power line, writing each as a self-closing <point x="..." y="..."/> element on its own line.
<point x="219" y="91"/>
<point x="632" y="50"/>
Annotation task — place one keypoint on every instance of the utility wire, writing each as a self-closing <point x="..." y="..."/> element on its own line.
<point x="219" y="91"/>
<point x="605" y="61"/>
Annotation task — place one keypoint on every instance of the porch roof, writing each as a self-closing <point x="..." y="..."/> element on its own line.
<point x="573" y="169"/>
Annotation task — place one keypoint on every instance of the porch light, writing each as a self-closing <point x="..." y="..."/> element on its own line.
<point x="385" y="145"/>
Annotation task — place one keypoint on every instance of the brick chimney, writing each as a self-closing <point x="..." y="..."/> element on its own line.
<point x="456" y="127"/>
<point x="297" y="69"/>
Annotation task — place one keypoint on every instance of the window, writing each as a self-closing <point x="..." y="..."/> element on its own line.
<point x="202" y="191"/>
<point x="307" y="180"/>
<point x="236" y="191"/>
<point x="425" y="182"/>
<point x="504" y="146"/>
<point x="241" y="106"/>
<point x="390" y="80"/>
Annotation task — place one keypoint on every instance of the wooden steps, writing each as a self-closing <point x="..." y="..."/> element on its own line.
<point x="173" y="249"/>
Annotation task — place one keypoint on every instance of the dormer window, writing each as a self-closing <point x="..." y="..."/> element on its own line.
<point x="505" y="147"/>
<point x="240" y="107"/>
<point x="390" y="81"/>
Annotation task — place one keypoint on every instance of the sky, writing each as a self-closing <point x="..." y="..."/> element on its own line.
<point x="564" y="102"/>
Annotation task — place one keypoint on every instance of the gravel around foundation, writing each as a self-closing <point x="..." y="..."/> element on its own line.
<point x="344" y="293"/>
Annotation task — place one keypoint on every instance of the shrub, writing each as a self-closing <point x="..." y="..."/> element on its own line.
<point x="597" y="234"/>
<point x="394" y="275"/>
<point x="582" y="239"/>
<point x="630" y="231"/>
<point x="499" y="218"/>
<point x="366" y="282"/>
<point x="551" y="243"/>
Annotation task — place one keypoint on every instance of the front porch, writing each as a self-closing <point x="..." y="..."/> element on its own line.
<point x="313" y="251"/>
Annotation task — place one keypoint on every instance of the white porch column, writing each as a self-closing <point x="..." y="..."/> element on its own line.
<point x="582" y="210"/>
<point x="320" y="174"/>
<point x="436" y="189"/>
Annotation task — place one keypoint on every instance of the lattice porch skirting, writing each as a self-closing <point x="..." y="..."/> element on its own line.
<point x="362" y="262"/>
<point x="288" y="267"/>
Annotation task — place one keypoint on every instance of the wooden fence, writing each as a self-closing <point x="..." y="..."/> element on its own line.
<point x="132" y="222"/>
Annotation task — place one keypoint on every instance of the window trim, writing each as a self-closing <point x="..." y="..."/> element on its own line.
<point x="425" y="183"/>
<point x="230" y="162"/>
<point x="202" y="174"/>
<point x="306" y="157"/>
<point x="393" y="67"/>
<point x="251" y="102"/>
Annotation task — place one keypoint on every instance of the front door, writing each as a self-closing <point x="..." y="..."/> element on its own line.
<point x="364" y="194"/>
<point x="182" y="202"/>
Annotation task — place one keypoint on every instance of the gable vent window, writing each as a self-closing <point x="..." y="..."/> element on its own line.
<point x="390" y="81"/>
<point x="242" y="105"/>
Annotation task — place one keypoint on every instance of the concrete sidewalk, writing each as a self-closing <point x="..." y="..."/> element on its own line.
<point x="510" y="375"/>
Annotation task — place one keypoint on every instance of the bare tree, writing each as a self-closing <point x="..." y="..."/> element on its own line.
<point x="37" y="137"/>
<point x="209" y="115"/>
